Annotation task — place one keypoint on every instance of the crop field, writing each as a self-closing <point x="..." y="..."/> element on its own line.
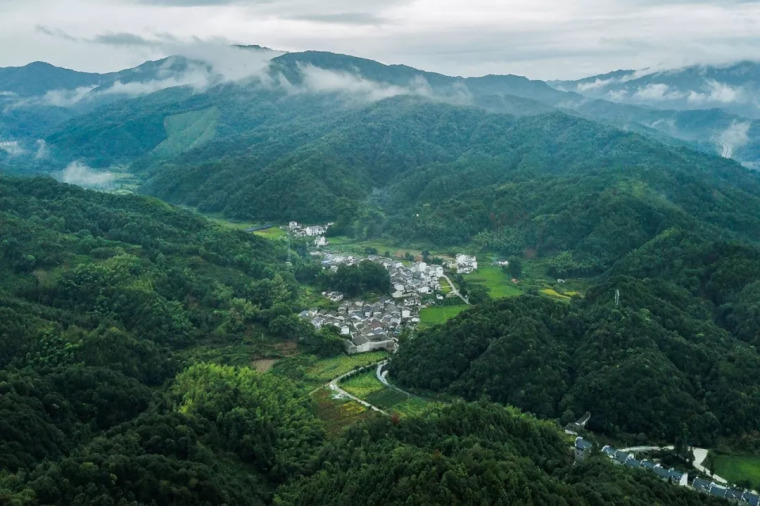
<point x="313" y="372"/>
<point x="326" y="369"/>
<point x="363" y="385"/>
<point x="739" y="468"/>
<point x="338" y="414"/>
<point x="439" y="314"/>
<point x="414" y="406"/>
<point x="496" y="281"/>
<point x="387" y="398"/>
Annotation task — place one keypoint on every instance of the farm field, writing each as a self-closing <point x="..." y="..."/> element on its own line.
<point x="314" y="372"/>
<point x="739" y="468"/>
<point x="338" y="414"/>
<point x="439" y="314"/>
<point x="367" y="387"/>
<point x="363" y="385"/>
<point x="496" y="281"/>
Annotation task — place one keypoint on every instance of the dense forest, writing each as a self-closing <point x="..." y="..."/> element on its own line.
<point x="408" y="169"/>
<point x="100" y="296"/>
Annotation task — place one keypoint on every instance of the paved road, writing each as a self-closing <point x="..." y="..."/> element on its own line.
<point x="700" y="454"/>
<point x="455" y="290"/>
<point x="646" y="448"/>
<point x="382" y="377"/>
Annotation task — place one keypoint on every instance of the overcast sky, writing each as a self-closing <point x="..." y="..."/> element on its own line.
<point x="543" y="39"/>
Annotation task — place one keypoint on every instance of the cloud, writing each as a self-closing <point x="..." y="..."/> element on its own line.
<point x="318" y="80"/>
<point x="658" y="92"/>
<point x="55" y="32"/>
<point x="717" y="92"/>
<point x="736" y="135"/>
<point x="596" y="84"/>
<point x="42" y="150"/>
<point x="81" y="175"/>
<point x="353" y="18"/>
<point x="547" y="39"/>
<point x="321" y="81"/>
<point x="124" y="39"/>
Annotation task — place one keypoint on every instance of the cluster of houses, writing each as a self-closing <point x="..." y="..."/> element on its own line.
<point x="466" y="264"/>
<point x="370" y="326"/>
<point x="11" y="147"/>
<point x="316" y="231"/>
<point x="583" y="446"/>
<point x="367" y="326"/>
<point x="732" y="494"/>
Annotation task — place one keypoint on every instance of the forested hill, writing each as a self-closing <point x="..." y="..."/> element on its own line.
<point x="672" y="356"/>
<point x="411" y="169"/>
<point x="102" y="295"/>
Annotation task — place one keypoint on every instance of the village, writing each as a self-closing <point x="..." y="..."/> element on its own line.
<point x="627" y="458"/>
<point x="375" y="325"/>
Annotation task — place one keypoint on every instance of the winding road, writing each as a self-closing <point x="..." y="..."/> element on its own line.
<point x="455" y="290"/>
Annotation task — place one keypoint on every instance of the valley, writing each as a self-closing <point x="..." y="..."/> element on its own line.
<point x="335" y="281"/>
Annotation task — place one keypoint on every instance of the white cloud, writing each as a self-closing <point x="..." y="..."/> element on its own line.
<point x="81" y="175"/>
<point x="735" y="136"/>
<point x="596" y="84"/>
<point x="538" y="38"/>
<point x="318" y="80"/>
<point x="658" y="92"/>
<point x="718" y="92"/>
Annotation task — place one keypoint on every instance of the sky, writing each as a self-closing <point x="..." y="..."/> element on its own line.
<point x="541" y="39"/>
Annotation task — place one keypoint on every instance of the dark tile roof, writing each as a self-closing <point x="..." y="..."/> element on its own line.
<point x="582" y="444"/>
<point x="647" y="465"/>
<point x="700" y="484"/>
<point x="752" y="499"/>
<point x="718" y="491"/>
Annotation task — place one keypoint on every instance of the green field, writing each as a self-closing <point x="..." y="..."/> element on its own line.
<point x="271" y="233"/>
<point x="496" y="281"/>
<point x="363" y="385"/>
<point x="187" y="131"/>
<point x="314" y="372"/>
<point x="366" y="386"/>
<point x="439" y="314"/>
<point x="739" y="468"/>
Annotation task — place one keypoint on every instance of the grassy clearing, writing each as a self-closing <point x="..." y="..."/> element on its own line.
<point x="273" y="234"/>
<point x="238" y="354"/>
<point x="445" y="286"/>
<point x="739" y="468"/>
<point x="550" y="292"/>
<point x="187" y="131"/>
<point x="439" y="314"/>
<point x="496" y="281"/>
